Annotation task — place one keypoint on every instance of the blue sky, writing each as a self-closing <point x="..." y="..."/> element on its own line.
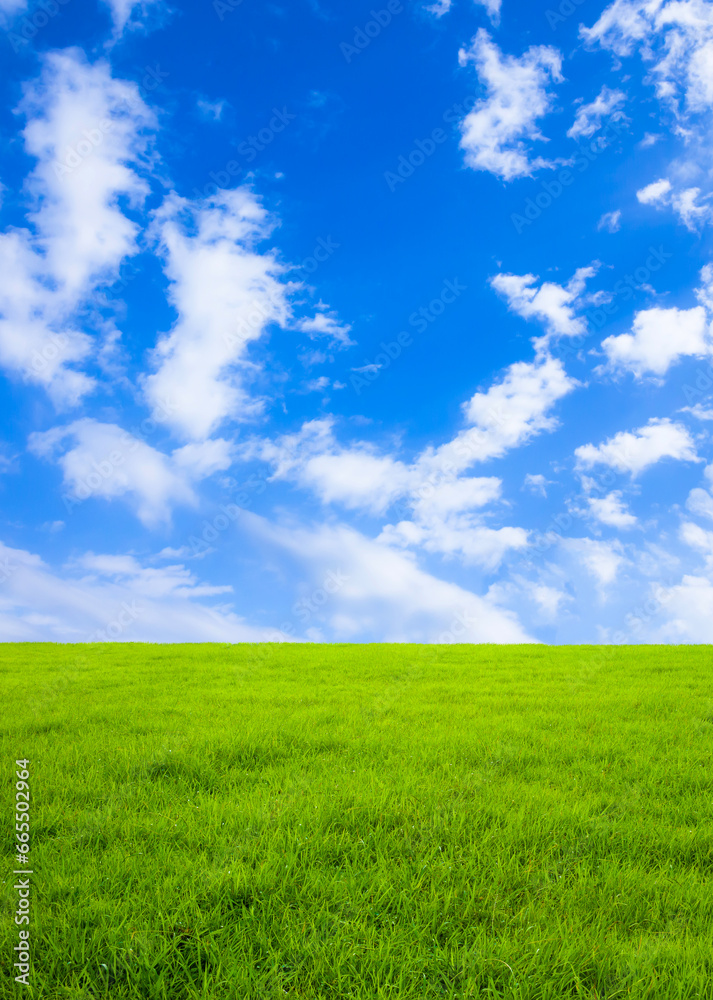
<point x="350" y="323"/>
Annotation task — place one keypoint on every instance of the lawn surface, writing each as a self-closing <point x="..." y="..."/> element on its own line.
<point x="239" y="822"/>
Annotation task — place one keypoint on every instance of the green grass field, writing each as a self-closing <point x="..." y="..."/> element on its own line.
<point x="319" y="821"/>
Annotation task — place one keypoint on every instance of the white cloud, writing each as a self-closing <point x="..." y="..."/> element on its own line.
<point x="689" y="608"/>
<point x="111" y="598"/>
<point x="52" y="527"/>
<point x="462" y="535"/>
<point x="698" y="411"/>
<point x="325" y="325"/>
<point x="621" y="25"/>
<point x="691" y="214"/>
<point x="85" y="128"/>
<point x="610" y="222"/>
<point x="676" y="36"/>
<point x="659" y="338"/>
<point x="588" y="119"/>
<point x="444" y="521"/>
<point x="536" y="484"/>
<point x="103" y="461"/>
<point x="611" y="510"/>
<point x="360" y="478"/>
<point x="700" y="73"/>
<point x="684" y="202"/>
<point x="704" y="293"/>
<point x="650" y="139"/>
<point x="635" y="451"/>
<point x="548" y="599"/>
<point x="506" y="416"/>
<point x="699" y="539"/>
<point x="497" y="132"/>
<point x="37" y="338"/>
<point x="211" y="109"/>
<point x="371" y="368"/>
<point x="226" y="294"/>
<point x="10" y="8"/>
<point x="602" y="560"/>
<point x="492" y="7"/>
<point x="439" y="505"/>
<point x="357" y="477"/>
<point x="202" y="459"/>
<point x="148" y="581"/>
<point x="440" y="499"/>
<point x="700" y="502"/>
<point x="130" y="15"/>
<point x="675" y="40"/>
<point x="440" y="7"/>
<point x="385" y="593"/>
<point x="88" y="135"/>
<point x="320" y="384"/>
<point x="655" y="192"/>
<point x="552" y="304"/>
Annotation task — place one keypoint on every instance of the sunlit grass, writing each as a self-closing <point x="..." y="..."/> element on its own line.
<point x="234" y="822"/>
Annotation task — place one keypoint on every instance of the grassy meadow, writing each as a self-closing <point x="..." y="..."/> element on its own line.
<point x="339" y="821"/>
